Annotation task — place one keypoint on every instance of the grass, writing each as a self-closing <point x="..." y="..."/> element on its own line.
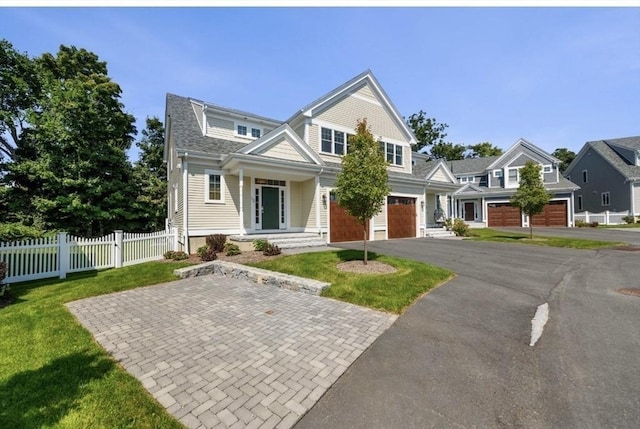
<point x="487" y="234"/>
<point x="388" y="292"/>
<point x="624" y="225"/>
<point x="52" y="373"/>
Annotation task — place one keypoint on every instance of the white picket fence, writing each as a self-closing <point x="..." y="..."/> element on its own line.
<point x="603" y="218"/>
<point x="63" y="253"/>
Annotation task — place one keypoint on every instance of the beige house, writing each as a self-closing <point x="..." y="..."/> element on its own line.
<point x="241" y="174"/>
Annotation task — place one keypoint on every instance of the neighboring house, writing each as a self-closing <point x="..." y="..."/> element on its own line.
<point x="234" y="172"/>
<point x="487" y="184"/>
<point x="608" y="173"/>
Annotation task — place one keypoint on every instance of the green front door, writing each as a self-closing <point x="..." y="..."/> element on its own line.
<point x="270" y="203"/>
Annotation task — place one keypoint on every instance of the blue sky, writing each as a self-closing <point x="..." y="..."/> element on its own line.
<point x="557" y="77"/>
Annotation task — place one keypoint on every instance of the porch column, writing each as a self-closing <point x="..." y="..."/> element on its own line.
<point x="484" y="212"/>
<point x="318" y="202"/>
<point x="241" y="206"/>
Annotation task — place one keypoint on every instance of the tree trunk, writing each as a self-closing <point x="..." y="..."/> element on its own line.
<point x="364" y="229"/>
<point x="530" y="228"/>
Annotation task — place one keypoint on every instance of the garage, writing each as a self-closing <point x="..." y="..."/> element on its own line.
<point x="554" y="214"/>
<point x="503" y="214"/>
<point x="401" y="217"/>
<point x="343" y="226"/>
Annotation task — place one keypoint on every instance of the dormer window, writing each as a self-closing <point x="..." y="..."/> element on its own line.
<point x="467" y="179"/>
<point x="547" y="169"/>
<point x="255" y="132"/>
<point x="248" y="131"/>
<point x="241" y="130"/>
<point x="497" y="173"/>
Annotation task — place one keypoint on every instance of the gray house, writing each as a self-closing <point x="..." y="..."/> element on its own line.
<point x="608" y="173"/>
<point x="487" y="184"/>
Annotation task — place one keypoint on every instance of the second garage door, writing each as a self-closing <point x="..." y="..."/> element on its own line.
<point x="503" y="214"/>
<point x="401" y="217"/>
<point x="343" y="226"/>
<point x="554" y="214"/>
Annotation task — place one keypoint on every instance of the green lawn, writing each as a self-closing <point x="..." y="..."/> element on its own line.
<point x="388" y="292"/>
<point x="625" y="225"/>
<point x="52" y="373"/>
<point x="487" y="234"/>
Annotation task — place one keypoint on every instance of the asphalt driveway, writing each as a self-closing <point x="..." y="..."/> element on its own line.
<point x="460" y="356"/>
<point x="625" y="235"/>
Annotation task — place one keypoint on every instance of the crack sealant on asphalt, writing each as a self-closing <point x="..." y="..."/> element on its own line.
<point x="538" y="322"/>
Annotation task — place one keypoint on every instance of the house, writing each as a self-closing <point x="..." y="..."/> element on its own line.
<point x="608" y="173"/>
<point x="485" y="186"/>
<point x="238" y="173"/>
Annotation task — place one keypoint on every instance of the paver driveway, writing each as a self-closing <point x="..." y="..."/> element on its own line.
<point x="220" y="352"/>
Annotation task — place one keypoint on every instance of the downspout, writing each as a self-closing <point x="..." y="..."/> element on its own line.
<point x="185" y="202"/>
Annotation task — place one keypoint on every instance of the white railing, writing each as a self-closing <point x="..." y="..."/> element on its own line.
<point x="603" y="218"/>
<point x="61" y="254"/>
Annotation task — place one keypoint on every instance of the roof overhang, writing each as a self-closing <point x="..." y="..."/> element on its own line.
<point x="269" y="168"/>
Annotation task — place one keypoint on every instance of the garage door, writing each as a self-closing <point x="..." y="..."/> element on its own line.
<point x="554" y="214"/>
<point x="401" y="217"/>
<point x="343" y="226"/>
<point x="503" y="214"/>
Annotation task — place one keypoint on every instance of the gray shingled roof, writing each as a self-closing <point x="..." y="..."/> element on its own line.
<point x="471" y="165"/>
<point x="186" y="132"/>
<point x="603" y="147"/>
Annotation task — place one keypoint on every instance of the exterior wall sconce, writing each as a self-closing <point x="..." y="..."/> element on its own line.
<point x="324" y="200"/>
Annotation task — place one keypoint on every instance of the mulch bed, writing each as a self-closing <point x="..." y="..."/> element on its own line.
<point x="5" y="300"/>
<point x="243" y="258"/>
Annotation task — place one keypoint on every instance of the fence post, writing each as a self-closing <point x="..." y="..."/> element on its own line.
<point x="118" y="253"/>
<point x="586" y="216"/>
<point x="176" y="237"/>
<point x="606" y="217"/>
<point x="63" y="255"/>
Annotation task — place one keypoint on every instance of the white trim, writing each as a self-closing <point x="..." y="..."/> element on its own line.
<point x="318" y="202"/>
<point x="363" y="98"/>
<point x="602" y="195"/>
<point x="241" y="200"/>
<point x="250" y="127"/>
<point x="547" y="166"/>
<point x="185" y="204"/>
<point x="207" y="182"/>
<point x="352" y="131"/>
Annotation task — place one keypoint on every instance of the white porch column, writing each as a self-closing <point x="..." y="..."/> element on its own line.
<point x="241" y="207"/>
<point x="185" y="204"/>
<point x="318" y="201"/>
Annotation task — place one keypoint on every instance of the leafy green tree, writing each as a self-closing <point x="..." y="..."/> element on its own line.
<point x="531" y="197"/>
<point x="71" y="171"/>
<point x="482" y="150"/>
<point x="362" y="185"/>
<point x="565" y="155"/>
<point x="150" y="174"/>
<point x="448" y="151"/>
<point x="428" y="131"/>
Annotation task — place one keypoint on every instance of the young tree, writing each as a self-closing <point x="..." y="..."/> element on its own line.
<point x="448" y="151"/>
<point x="362" y="185"/>
<point x="150" y="173"/>
<point x="482" y="150"/>
<point x="428" y="131"/>
<point x="565" y="155"/>
<point x="531" y="196"/>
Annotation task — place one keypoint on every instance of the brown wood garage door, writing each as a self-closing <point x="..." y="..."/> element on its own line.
<point x="343" y="226"/>
<point x="401" y="217"/>
<point x="503" y="214"/>
<point x="554" y="214"/>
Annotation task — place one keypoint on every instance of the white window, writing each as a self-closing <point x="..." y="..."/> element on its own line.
<point x="585" y="178"/>
<point x="514" y="175"/>
<point x="497" y="173"/>
<point x="546" y="169"/>
<point x="392" y="152"/>
<point x="256" y="132"/>
<point x="333" y="141"/>
<point x="579" y="202"/>
<point x="213" y="186"/>
<point x="467" y="179"/>
<point x="606" y="199"/>
<point x="241" y="130"/>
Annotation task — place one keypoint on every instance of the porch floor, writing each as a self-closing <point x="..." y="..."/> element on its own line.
<point x="274" y="236"/>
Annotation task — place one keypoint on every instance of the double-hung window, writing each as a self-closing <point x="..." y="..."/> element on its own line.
<point x="513" y="175"/>
<point x="391" y="152"/>
<point x="333" y="141"/>
<point x="213" y="186"/>
<point x="241" y="130"/>
<point x="606" y="199"/>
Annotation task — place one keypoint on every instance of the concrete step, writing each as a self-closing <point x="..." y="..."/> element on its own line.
<point x="273" y="237"/>
<point x="301" y="244"/>
<point x="439" y="233"/>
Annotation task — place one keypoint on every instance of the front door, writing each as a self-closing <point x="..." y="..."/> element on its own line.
<point x="469" y="214"/>
<point x="270" y="203"/>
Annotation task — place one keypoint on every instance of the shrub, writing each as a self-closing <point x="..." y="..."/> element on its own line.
<point x="460" y="228"/>
<point x="202" y="250"/>
<point x="16" y="231"/>
<point x="208" y="254"/>
<point x="176" y="256"/>
<point x="216" y="242"/>
<point x="594" y="224"/>
<point x="168" y="254"/>
<point x="448" y="223"/>
<point x="232" y="249"/>
<point x="271" y="250"/>
<point x="581" y="224"/>
<point x="259" y="244"/>
<point x="629" y="219"/>
<point x="3" y="274"/>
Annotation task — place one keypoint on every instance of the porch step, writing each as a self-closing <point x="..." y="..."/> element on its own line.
<point x="439" y="233"/>
<point x="285" y="240"/>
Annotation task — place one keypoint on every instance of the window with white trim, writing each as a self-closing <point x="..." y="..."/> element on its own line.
<point x="333" y="141"/>
<point x="241" y="130"/>
<point x="256" y="133"/>
<point x="579" y="202"/>
<point x="391" y="152"/>
<point x="213" y="186"/>
<point x="606" y="200"/>
<point x="513" y="175"/>
<point x="467" y="179"/>
<point x="497" y="173"/>
<point x="547" y="169"/>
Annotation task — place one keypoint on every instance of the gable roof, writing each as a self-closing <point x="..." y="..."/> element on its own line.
<point x="368" y="77"/>
<point x="523" y="143"/>
<point x="429" y="168"/>
<point x="605" y="148"/>
<point x="272" y="137"/>
<point x="471" y="165"/>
